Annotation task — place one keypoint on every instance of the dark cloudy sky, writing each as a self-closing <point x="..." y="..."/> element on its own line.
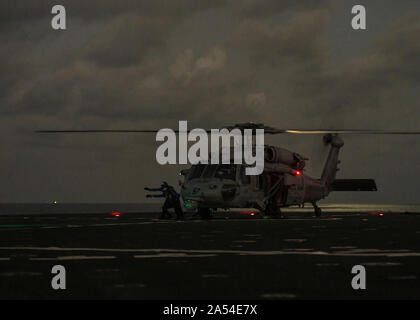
<point x="148" y="64"/>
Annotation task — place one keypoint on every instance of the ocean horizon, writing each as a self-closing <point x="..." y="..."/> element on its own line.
<point x="92" y="208"/>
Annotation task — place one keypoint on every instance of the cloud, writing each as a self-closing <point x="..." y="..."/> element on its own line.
<point x="258" y="10"/>
<point x="291" y="43"/>
<point x="186" y="68"/>
<point x="255" y="100"/>
<point x="148" y="64"/>
<point x="383" y="80"/>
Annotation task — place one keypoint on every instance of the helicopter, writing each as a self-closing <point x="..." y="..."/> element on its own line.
<point x="283" y="183"/>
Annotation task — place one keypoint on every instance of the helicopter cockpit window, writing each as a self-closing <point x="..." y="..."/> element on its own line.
<point x="246" y="179"/>
<point x="222" y="171"/>
<point x="210" y="170"/>
<point x="196" y="171"/>
<point x="226" y="171"/>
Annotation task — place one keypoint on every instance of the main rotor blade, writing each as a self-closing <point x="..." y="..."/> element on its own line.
<point x="109" y="131"/>
<point x="271" y="130"/>
<point x="344" y="131"/>
<point x="267" y="131"/>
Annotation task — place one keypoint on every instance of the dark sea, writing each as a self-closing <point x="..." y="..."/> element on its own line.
<point x="76" y="208"/>
<point x="91" y="208"/>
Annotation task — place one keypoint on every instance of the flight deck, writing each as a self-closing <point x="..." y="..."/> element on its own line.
<point x="235" y="256"/>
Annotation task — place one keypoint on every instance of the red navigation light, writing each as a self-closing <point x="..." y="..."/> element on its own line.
<point x="248" y="213"/>
<point x="116" y="214"/>
<point x="298" y="173"/>
<point x="376" y="213"/>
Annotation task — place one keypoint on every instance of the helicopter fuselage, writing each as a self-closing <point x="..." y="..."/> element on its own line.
<point x="281" y="184"/>
<point x="240" y="191"/>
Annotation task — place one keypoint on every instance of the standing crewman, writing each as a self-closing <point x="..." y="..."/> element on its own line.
<point x="171" y="200"/>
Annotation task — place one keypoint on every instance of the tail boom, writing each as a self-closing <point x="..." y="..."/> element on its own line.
<point x="330" y="167"/>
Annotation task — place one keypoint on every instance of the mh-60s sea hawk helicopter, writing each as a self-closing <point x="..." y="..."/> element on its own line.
<point x="281" y="184"/>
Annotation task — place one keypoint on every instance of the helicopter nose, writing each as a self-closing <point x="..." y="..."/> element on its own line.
<point x="207" y="192"/>
<point x="211" y="192"/>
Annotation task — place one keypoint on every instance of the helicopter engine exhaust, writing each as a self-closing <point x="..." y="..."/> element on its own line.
<point x="280" y="155"/>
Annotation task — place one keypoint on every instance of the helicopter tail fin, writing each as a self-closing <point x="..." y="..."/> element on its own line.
<point x="330" y="167"/>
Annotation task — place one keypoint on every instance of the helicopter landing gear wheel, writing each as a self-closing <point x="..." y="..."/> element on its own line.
<point x="273" y="210"/>
<point x="318" y="211"/>
<point x="205" y="213"/>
